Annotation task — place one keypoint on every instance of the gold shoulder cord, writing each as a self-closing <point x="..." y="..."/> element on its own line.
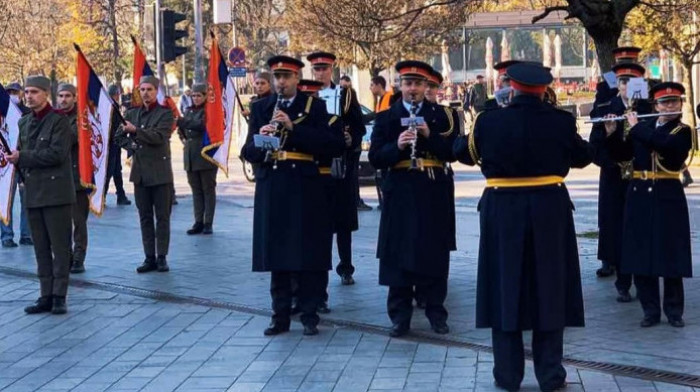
<point x="307" y="109"/>
<point x="450" y="120"/>
<point x="694" y="147"/>
<point x="332" y="120"/>
<point x="348" y="101"/>
<point x="471" y="141"/>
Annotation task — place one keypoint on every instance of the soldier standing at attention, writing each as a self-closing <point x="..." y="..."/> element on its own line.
<point x="45" y="163"/>
<point x="67" y="104"/>
<point x="201" y="173"/>
<point x="152" y="173"/>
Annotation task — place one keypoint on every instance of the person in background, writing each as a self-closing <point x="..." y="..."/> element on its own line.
<point x="185" y="101"/>
<point x="114" y="159"/>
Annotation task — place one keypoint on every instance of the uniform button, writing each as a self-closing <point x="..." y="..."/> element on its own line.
<point x="650" y="189"/>
<point x="495" y="187"/>
<point x="293" y="165"/>
<point x="53" y="177"/>
<point x="634" y="189"/>
<point x="164" y="158"/>
<point x="559" y="185"/>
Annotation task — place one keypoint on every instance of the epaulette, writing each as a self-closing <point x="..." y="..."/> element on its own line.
<point x="332" y="120"/>
<point x="307" y="109"/>
<point x="678" y="129"/>
<point x="603" y="104"/>
<point x="348" y="100"/>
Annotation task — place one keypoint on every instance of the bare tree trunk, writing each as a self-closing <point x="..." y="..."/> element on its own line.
<point x="605" y="42"/>
<point x="688" y="113"/>
<point x="116" y="67"/>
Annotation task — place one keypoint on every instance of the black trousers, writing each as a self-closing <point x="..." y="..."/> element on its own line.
<point x="114" y="170"/>
<point x="648" y="294"/>
<point x="154" y="201"/>
<point x="308" y="291"/>
<point x="400" y="302"/>
<point x="344" y="241"/>
<point x="509" y="358"/>
<point x="81" y="210"/>
<point x="623" y="281"/>
<point x="354" y="161"/>
<point x="51" y="231"/>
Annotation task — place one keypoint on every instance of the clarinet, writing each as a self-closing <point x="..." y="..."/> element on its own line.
<point x="412" y="128"/>
<point x="276" y="124"/>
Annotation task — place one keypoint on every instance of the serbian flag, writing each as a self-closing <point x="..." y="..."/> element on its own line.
<point x="142" y="68"/>
<point x="220" y="100"/>
<point x="9" y="128"/>
<point x="94" y="121"/>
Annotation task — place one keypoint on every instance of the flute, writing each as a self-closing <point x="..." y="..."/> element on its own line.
<point x="621" y="118"/>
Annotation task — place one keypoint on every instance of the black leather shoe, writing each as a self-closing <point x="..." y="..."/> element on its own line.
<point x="26" y="241"/>
<point x="148" y="265"/>
<point x="276" y="329"/>
<point x="59" y="305"/>
<point x="648" y="322"/>
<point x="9" y="244"/>
<point x="323" y="308"/>
<point x="310" y="330"/>
<point x="42" y="305"/>
<point x="347" y="280"/>
<point x="123" y="201"/>
<point x="509" y="389"/>
<point x="197" y="228"/>
<point x="207" y="229"/>
<point x="605" y="271"/>
<point x="162" y="264"/>
<point x="676" y="322"/>
<point x="361" y="206"/>
<point x="440" y="328"/>
<point x="175" y="201"/>
<point x="624" y="296"/>
<point x="399" y="330"/>
<point x="78" y="267"/>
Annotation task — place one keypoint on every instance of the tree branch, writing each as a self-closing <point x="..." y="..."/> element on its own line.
<point x="549" y="10"/>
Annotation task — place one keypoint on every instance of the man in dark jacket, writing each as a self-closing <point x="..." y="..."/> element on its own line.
<point x="528" y="273"/>
<point x="291" y="224"/>
<point x="45" y="163"/>
<point x="152" y="173"/>
<point x="114" y="163"/>
<point x="415" y="231"/>
<point x="201" y="173"/>
<point x="66" y="94"/>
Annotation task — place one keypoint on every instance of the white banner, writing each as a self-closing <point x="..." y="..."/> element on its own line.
<point x="229" y="102"/>
<point x="100" y="123"/>
<point x="9" y="127"/>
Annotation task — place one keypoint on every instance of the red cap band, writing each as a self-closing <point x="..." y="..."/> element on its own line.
<point x="322" y="60"/>
<point x="628" y="72"/>
<point x="415" y="71"/>
<point x="667" y="92"/>
<point x="285" y="67"/>
<point x="527" y="88"/>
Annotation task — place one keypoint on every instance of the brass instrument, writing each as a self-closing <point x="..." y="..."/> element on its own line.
<point x="412" y="127"/>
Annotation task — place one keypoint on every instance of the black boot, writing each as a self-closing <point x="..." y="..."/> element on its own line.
<point x="207" y="229"/>
<point x="606" y="270"/>
<point x="148" y="265"/>
<point x="42" y="305"/>
<point x="78" y="266"/>
<point x="59" y="305"/>
<point x="162" y="264"/>
<point x="122" y="200"/>
<point x="197" y="228"/>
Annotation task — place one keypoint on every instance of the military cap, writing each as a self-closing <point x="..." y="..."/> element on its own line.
<point x="629" y="70"/>
<point x="310" y="86"/>
<point x="321" y="59"/>
<point x="503" y="65"/>
<point x="412" y="69"/>
<point x="667" y="90"/>
<point x="149" y="79"/>
<point x="113" y="89"/>
<point x="200" y="88"/>
<point x="14" y="86"/>
<point x="529" y="78"/>
<point x="264" y="75"/>
<point x="284" y="64"/>
<point x="435" y="78"/>
<point x="38" y="81"/>
<point x="67" y="87"/>
<point x="626" y="54"/>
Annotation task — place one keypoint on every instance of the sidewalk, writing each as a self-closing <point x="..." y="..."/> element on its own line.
<point x="117" y="342"/>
